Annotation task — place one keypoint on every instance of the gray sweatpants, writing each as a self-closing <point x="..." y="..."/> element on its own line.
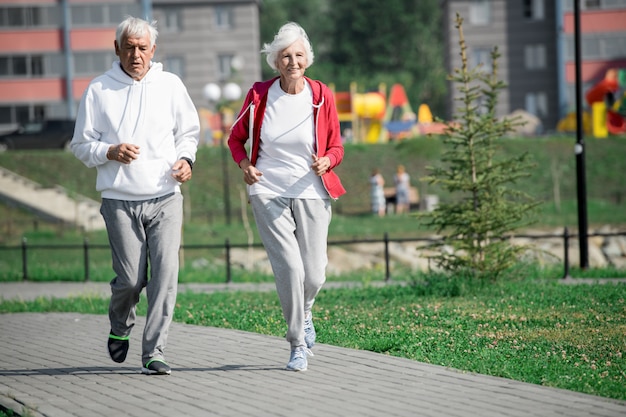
<point x="294" y="232"/>
<point x="144" y="236"/>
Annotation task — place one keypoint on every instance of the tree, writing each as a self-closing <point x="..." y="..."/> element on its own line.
<point x="311" y="15"/>
<point x="395" y="41"/>
<point x="370" y="42"/>
<point x="487" y="207"/>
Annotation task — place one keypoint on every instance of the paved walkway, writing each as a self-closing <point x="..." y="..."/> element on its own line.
<point x="56" y="364"/>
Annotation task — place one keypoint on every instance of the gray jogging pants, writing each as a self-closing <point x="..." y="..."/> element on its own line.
<point x="144" y="236"/>
<point x="294" y="232"/>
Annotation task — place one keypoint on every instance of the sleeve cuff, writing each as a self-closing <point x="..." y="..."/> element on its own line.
<point x="189" y="161"/>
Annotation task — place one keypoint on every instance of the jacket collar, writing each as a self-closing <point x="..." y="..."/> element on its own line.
<point x="262" y="88"/>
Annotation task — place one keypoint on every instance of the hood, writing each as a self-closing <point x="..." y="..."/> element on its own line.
<point x="117" y="73"/>
<point x="137" y="99"/>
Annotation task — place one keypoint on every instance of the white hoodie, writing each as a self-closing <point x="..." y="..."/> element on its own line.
<point x="155" y="113"/>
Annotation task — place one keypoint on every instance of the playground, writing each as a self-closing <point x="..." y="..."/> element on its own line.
<point x="607" y="108"/>
<point x="385" y="116"/>
<point x="378" y="117"/>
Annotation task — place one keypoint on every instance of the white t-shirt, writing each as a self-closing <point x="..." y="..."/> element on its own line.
<point x="287" y="146"/>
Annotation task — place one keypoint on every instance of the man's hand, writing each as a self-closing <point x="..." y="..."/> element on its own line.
<point x="124" y="153"/>
<point x="181" y="171"/>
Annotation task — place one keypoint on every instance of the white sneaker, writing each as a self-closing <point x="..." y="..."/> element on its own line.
<point x="309" y="332"/>
<point x="297" y="360"/>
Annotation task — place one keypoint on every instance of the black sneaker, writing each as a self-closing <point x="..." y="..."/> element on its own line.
<point x="118" y="347"/>
<point x="156" y="367"/>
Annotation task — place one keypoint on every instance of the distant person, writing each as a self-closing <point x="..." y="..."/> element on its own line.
<point x="377" y="193"/>
<point x="138" y="126"/>
<point x="402" y="181"/>
<point x="295" y="145"/>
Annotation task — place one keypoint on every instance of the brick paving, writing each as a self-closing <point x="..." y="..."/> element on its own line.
<point x="56" y="364"/>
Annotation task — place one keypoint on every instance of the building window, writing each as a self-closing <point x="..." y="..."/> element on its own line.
<point x="534" y="9"/>
<point x="175" y="65"/>
<point x="88" y="15"/>
<point x="33" y="66"/>
<point x="12" y="66"/>
<point x="537" y="104"/>
<point x="224" y="17"/>
<point x="90" y="63"/>
<point x="118" y="12"/>
<point x="19" y="66"/>
<point x="172" y="20"/>
<point x="481" y="57"/>
<point x="15" y="16"/>
<point x="85" y="15"/>
<point x="5" y="65"/>
<point x="535" y="57"/>
<point x="56" y="110"/>
<point x="21" y="114"/>
<point x="613" y="47"/>
<point x="568" y="6"/>
<point x="29" y="16"/>
<point x="480" y="12"/>
<point x="603" y="46"/>
<point x="102" y="61"/>
<point x="590" y="47"/>
<point x="37" y="66"/>
<point x="5" y="115"/>
<point x="34" y="16"/>
<point x="225" y="66"/>
<point x="54" y="65"/>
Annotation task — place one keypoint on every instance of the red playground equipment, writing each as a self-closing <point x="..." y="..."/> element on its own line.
<point x="608" y="113"/>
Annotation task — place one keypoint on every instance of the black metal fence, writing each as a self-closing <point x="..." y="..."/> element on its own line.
<point x="87" y="248"/>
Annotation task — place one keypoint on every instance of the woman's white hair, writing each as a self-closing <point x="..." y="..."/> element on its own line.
<point x="287" y="35"/>
<point x="134" y="27"/>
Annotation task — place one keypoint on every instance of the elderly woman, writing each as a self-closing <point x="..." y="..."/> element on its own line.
<point x="296" y="142"/>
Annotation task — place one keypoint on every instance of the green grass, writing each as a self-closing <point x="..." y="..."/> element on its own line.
<point x="553" y="181"/>
<point x="532" y="330"/>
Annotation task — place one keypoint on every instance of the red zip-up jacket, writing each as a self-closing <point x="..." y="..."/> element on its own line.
<point x="327" y="131"/>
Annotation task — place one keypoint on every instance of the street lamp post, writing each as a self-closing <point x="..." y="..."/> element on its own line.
<point x="579" y="148"/>
<point x="231" y="92"/>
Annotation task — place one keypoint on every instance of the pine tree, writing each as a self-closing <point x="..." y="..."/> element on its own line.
<point x="484" y="208"/>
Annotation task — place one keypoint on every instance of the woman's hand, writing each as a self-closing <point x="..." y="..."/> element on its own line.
<point x="320" y="165"/>
<point x="250" y="173"/>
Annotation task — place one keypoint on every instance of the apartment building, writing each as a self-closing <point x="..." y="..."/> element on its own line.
<point x="51" y="49"/>
<point x="536" y="41"/>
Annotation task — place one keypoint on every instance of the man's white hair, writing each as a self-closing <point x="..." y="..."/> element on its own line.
<point x="134" y="27"/>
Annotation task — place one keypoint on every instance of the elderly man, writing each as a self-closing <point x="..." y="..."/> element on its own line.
<point x="138" y="126"/>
